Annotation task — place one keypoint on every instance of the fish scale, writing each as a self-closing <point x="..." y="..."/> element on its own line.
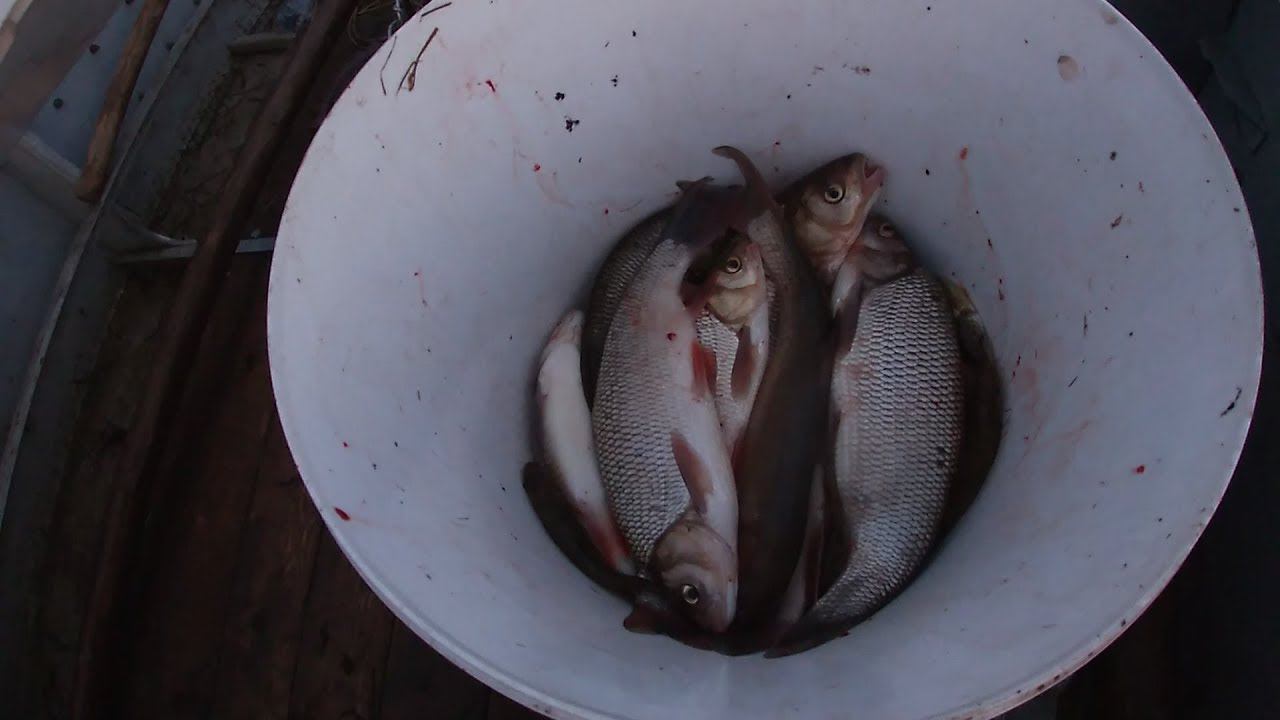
<point x="898" y="390"/>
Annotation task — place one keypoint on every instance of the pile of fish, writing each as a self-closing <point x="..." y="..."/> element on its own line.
<point x="767" y="415"/>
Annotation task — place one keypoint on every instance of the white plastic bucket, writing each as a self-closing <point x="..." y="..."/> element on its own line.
<point x="1038" y="150"/>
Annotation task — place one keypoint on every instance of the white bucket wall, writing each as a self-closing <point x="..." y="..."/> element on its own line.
<point x="1039" y="151"/>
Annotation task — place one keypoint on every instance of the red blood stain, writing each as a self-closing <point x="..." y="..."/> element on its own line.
<point x="671" y="337"/>
<point x="344" y="444"/>
<point x="491" y="85"/>
<point x="964" y="152"/>
<point x="537" y="167"/>
<point x="1140" y="469"/>
<point x="342" y="513"/>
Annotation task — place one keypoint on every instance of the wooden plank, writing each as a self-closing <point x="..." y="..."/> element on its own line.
<point x="345" y="637"/>
<point x="192" y="545"/>
<point x="114" y="392"/>
<point x="422" y="684"/>
<point x="264" y="628"/>
<point x="178" y="346"/>
<point x="503" y="708"/>
<point x="102" y="146"/>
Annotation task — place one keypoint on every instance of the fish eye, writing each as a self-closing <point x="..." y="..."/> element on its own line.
<point x="689" y="594"/>
<point x="886" y="230"/>
<point x="833" y="194"/>
<point x="733" y="265"/>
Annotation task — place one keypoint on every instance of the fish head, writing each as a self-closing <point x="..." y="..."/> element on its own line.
<point x="880" y="252"/>
<point x="833" y="202"/>
<point x="738" y="284"/>
<point x="699" y="572"/>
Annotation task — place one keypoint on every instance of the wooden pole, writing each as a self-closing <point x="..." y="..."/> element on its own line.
<point x="97" y="166"/>
<point x="179" y="342"/>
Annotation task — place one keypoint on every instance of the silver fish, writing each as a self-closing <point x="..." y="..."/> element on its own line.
<point x="615" y="274"/>
<point x="665" y="467"/>
<point x="567" y="443"/>
<point x="783" y="436"/>
<point x="735" y="328"/>
<point x="897" y="400"/>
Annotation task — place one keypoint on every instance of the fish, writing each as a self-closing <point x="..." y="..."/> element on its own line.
<point x="983" y="406"/>
<point x="615" y="274"/>
<point x="568" y="445"/>
<point x="735" y="328"/>
<point x="829" y="207"/>
<point x="782" y="439"/>
<point x="897" y="405"/>
<point x="665" y="467"/>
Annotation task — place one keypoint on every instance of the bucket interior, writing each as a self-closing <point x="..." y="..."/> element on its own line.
<point x="1039" y="152"/>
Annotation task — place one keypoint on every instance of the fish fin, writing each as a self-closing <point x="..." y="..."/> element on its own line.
<point x="697" y="477"/>
<point x="806" y="635"/>
<point x="756" y="184"/>
<point x="704" y="370"/>
<point x="745" y="363"/>
<point x="686" y="185"/>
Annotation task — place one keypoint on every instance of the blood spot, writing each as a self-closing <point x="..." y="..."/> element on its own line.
<point x="1140" y="469"/>
<point x="964" y="152"/>
<point x="342" y="514"/>
<point x="492" y="87"/>
<point x="671" y="337"/>
<point x="537" y="167"/>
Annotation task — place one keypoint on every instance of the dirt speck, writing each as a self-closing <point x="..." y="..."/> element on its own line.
<point x="1116" y="223"/>
<point x="570" y="123"/>
<point x="1232" y="405"/>
<point x="559" y="96"/>
<point x="1068" y="68"/>
<point x="1113" y="154"/>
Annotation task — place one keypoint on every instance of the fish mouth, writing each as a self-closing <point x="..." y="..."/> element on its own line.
<point x="872" y="179"/>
